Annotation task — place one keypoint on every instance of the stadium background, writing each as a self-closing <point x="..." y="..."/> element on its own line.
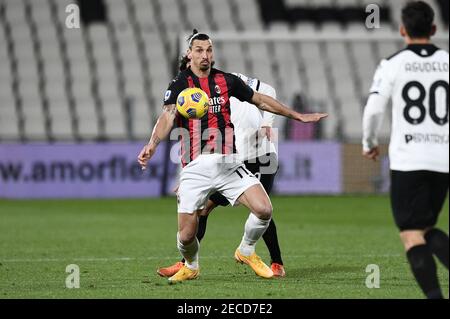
<point x="76" y="105"/>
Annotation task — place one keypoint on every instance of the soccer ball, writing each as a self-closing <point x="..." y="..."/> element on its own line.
<point x="192" y="103"/>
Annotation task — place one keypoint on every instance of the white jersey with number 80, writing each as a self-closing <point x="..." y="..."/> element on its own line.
<point x="417" y="80"/>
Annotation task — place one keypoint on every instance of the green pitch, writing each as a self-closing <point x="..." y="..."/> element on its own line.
<point x="327" y="243"/>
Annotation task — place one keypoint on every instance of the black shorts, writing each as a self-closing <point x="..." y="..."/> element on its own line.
<point x="254" y="166"/>
<point x="417" y="198"/>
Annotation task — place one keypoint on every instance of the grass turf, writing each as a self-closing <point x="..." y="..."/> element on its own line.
<point x="326" y="242"/>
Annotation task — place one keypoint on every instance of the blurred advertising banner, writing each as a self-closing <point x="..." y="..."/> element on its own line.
<point x="362" y="175"/>
<point x="309" y="168"/>
<point x="110" y="170"/>
<point x="78" y="171"/>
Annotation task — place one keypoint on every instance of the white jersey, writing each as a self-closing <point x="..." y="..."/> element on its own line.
<point x="417" y="80"/>
<point x="248" y="120"/>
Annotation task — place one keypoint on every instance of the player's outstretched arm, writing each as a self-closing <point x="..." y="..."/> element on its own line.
<point x="269" y="104"/>
<point x="160" y="131"/>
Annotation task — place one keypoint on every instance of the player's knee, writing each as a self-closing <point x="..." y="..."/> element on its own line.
<point x="186" y="236"/>
<point x="263" y="210"/>
<point x="411" y="238"/>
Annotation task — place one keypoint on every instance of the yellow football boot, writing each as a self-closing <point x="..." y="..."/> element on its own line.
<point x="255" y="262"/>
<point x="184" y="274"/>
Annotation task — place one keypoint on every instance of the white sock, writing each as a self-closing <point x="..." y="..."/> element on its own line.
<point x="254" y="229"/>
<point x="189" y="252"/>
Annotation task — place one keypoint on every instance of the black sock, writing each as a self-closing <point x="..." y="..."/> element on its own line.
<point x="424" y="269"/>
<point x="202" y="220"/>
<point x="271" y="239"/>
<point x="437" y="242"/>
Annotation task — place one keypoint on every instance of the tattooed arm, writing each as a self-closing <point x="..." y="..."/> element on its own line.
<point x="160" y="131"/>
<point x="269" y="104"/>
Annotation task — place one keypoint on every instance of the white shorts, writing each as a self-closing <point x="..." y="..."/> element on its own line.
<point x="212" y="173"/>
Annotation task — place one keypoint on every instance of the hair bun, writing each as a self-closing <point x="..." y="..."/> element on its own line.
<point x="195" y="31"/>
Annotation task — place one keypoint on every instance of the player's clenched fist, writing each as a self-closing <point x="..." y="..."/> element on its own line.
<point x="145" y="155"/>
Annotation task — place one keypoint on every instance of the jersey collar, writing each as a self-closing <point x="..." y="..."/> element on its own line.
<point x="423" y="50"/>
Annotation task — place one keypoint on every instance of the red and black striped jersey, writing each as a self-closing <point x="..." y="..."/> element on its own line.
<point x="214" y="132"/>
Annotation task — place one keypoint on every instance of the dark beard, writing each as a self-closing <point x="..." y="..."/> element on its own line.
<point x="204" y="68"/>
